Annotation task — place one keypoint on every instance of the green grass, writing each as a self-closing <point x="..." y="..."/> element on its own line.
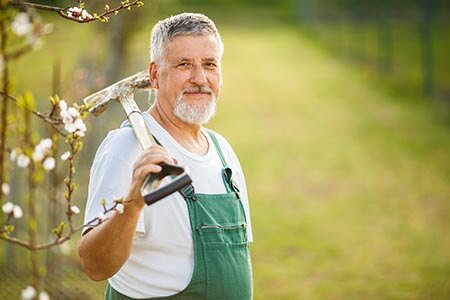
<point x="348" y="185"/>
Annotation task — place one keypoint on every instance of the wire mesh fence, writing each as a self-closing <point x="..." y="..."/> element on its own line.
<point x="404" y="46"/>
<point x="65" y="283"/>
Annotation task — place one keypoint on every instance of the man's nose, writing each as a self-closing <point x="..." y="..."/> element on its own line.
<point x="198" y="76"/>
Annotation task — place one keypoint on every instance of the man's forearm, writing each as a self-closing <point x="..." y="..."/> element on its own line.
<point x="105" y="249"/>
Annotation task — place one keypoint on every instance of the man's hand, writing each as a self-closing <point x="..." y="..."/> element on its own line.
<point x="146" y="163"/>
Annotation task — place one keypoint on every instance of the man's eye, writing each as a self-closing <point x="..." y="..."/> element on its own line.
<point x="211" y="65"/>
<point x="183" y="65"/>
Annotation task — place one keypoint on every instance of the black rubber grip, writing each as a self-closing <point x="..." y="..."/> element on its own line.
<point x="181" y="180"/>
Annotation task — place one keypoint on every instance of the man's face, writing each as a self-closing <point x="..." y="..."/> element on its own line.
<point x="189" y="78"/>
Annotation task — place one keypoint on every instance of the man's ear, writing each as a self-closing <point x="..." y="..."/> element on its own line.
<point x="153" y="73"/>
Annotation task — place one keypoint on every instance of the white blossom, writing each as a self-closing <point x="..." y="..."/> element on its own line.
<point x="65" y="155"/>
<point x="5" y="188"/>
<point x="49" y="163"/>
<point x="21" y="24"/>
<point x="70" y="127"/>
<point x="35" y="41"/>
<point x="85" y="15"/>
<point x="7" y="208"/>
<point x="38" y="155"/>
<point x="42" y="149"/>
<point x="81" y="129"/>
<point x="72" y="119"/>
<point x="79" y="133"/>
<point x="29" y="293"/>
<point x="44" y="296"/>
<point x="46" y="143"/>
<point x="120" y="208"/>
<point x="75" y="209"/>
<point x="17" y="212"/>
<point x="10" y="208"/>
<point x="63" y="105"/>
<point x="66" y="116"/>
<point x="74" y="12"/>
<point x="23" y="161"/>
<point x="79" y="13"/>
<point x="65" y="248"/>
<point x="13" y="154"/>
<point x="79" y="125"/>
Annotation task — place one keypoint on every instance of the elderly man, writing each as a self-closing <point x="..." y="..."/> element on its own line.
<point x="193" y="244"/>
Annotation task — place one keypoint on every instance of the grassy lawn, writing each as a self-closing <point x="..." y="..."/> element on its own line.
<point x="349" y="184"/>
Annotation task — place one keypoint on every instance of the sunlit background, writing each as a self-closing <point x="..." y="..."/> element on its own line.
<point x="339" y="113"/>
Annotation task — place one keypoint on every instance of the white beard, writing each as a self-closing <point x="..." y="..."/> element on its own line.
<point x="195" y="114"/>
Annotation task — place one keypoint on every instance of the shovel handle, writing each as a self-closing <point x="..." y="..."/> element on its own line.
<point x="149" y="189"/>
<point x="137" y="121"/>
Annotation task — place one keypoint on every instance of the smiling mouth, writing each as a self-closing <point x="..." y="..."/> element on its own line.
<point x="197" y="93"/>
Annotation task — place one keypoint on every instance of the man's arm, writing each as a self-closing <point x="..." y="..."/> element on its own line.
<point x="104" y="249"/>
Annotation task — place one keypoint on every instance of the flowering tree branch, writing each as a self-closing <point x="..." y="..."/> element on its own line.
<point x="21" y="31"/>
<point x="54" y="122"/>
<point x="79" y="14"/>
<point x="60" y="237"/>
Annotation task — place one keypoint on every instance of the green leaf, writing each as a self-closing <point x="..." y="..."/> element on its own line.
<point x="8" y="229"/>
<point x="58" y="231"/>
<point x="55" y="99"/>
<point x="119" y="200"/>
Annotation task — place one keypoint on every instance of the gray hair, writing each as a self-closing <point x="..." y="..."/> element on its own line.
<point x="189" y="24"/>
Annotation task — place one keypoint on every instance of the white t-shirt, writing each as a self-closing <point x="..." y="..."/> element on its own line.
<point x="162" y="257"/>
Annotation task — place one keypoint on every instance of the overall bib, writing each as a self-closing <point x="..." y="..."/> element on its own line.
<point x="222" y="267"/>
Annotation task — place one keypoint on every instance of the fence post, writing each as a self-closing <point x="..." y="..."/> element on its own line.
<point x="426" y="43"/>
<point x="384" y="32"/>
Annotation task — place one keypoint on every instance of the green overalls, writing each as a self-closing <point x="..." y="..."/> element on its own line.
<point x="222" y="267"/>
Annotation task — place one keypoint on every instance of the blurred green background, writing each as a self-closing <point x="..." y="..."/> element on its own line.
<point x="339" y="113"/>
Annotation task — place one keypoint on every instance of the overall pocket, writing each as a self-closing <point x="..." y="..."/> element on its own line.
<point x="227" y="261"/>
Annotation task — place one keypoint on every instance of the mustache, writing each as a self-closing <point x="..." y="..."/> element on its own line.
<point x="198" y="89"/>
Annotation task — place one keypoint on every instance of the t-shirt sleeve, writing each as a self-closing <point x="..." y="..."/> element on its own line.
<point x="110" y="178"/>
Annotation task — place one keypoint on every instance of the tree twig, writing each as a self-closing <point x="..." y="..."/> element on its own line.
<point x="62" y="11"/>
<point x="54" y="123"/>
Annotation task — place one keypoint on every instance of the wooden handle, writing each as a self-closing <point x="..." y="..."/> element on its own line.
<point x="137" y="121"/>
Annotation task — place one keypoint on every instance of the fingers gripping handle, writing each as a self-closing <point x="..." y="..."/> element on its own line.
<point x="153" y="192"/>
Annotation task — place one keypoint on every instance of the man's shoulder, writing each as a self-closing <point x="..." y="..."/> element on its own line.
<point x="118" y="142"/>
<point x="221" y="140"/>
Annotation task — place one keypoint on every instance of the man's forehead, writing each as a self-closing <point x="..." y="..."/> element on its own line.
<point x="193" y="46"/>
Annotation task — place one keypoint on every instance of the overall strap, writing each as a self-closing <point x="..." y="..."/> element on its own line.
<point x="217" y="146"/>
<point x="227" y="173"/>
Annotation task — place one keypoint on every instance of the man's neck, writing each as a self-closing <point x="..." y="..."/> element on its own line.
<point x="187" y="135"/>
